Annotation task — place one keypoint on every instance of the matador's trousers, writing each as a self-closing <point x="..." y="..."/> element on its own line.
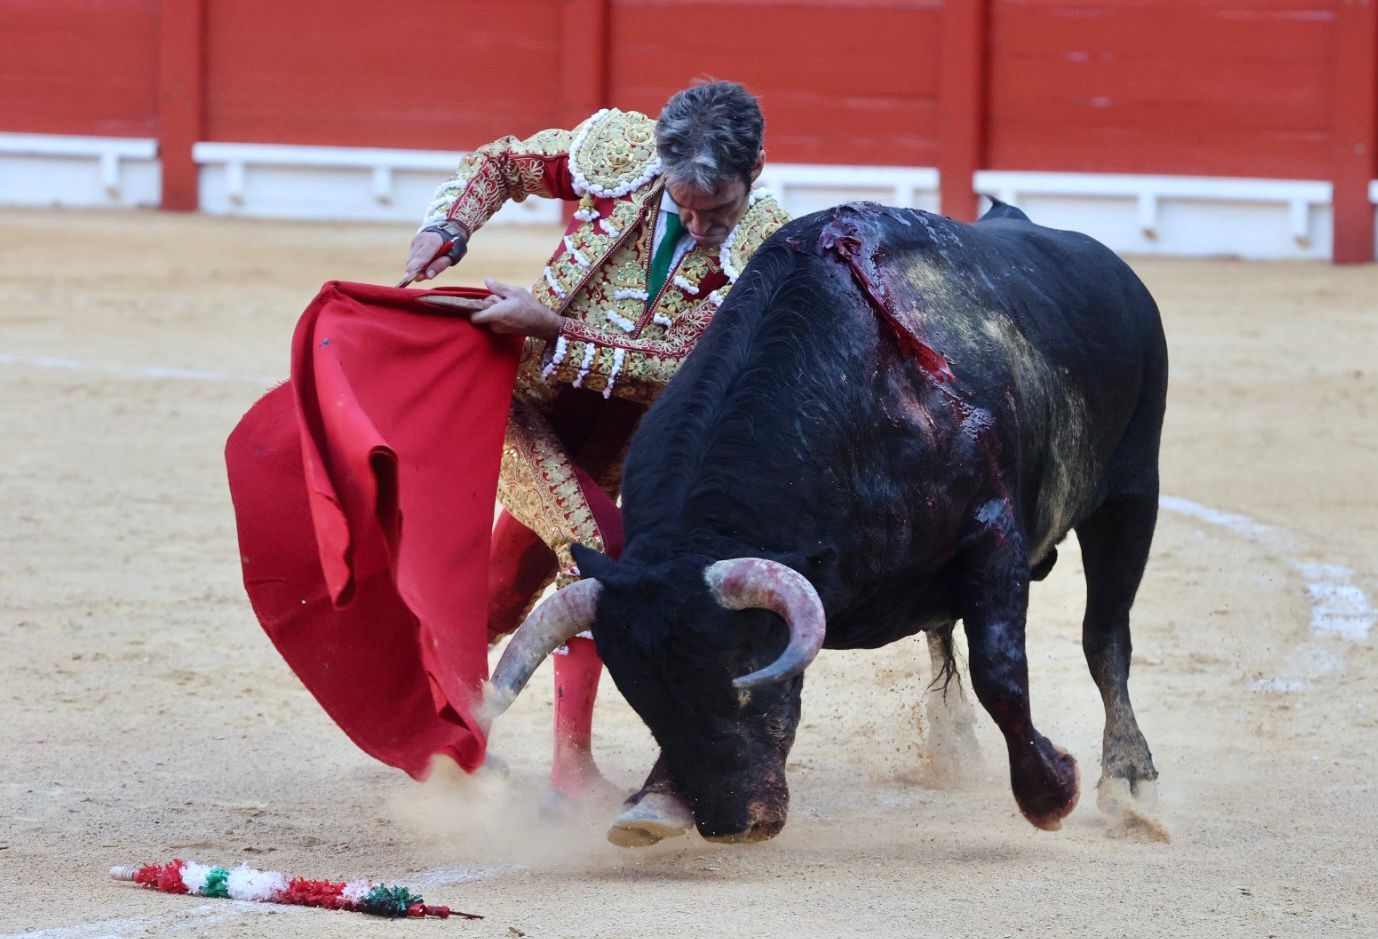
<point x="561" y="472"/>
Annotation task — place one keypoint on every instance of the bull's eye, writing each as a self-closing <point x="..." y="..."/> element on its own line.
<point x="743" y="697"/>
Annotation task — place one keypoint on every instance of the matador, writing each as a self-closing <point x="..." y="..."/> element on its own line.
<point x="668" y="216"/>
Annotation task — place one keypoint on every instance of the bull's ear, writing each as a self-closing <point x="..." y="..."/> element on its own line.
<point x="592" y="563"/>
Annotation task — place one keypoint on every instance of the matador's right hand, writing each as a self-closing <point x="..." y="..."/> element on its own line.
<point x="422" y="260"/>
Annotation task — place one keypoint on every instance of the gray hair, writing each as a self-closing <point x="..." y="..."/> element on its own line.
<point x="709" y="135"/>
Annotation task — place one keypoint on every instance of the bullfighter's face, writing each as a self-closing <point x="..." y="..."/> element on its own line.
<point x="710" y="216"/>
<point x="673" y="652"/>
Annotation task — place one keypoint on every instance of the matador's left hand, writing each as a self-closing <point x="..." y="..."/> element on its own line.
<point x="517" y="311"/>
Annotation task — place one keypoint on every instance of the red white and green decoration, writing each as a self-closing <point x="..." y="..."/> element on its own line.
<point x="247" y="883"/>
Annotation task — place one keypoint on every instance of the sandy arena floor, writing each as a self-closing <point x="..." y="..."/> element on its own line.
<point x="146" y="716"/>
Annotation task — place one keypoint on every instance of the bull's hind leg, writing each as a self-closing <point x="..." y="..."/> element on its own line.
<point x="994" y="605"/>
<point x="954" y="756"/>
<point x="1114" y="548"/>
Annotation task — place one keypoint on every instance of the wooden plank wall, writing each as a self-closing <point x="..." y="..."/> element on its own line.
<point x="1242" y="88"/>
<point x="851" y="83"/>
<point x="77" y="67"/>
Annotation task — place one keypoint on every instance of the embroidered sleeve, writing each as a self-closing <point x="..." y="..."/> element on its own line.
<point x="505" y="169"/>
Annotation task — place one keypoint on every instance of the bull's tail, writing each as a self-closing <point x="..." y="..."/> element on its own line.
<point x="944" y="660"/>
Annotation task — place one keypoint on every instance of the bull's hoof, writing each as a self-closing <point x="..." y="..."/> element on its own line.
<point x="1048" y="811"/>
<point x="653" y="818"/>
<point x="1117" y="797"/>
<point x="1133" y="807"/>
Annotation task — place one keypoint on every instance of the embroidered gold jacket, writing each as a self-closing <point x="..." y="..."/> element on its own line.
<point x="612" y="340"/>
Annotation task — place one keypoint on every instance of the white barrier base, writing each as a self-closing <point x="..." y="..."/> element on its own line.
<point x="803" y="188"/>
<point x="52" y="170"/>
<point x="1257" y="219"/>
<point x="1262" y="219"/>
<point x="335" y="183"/>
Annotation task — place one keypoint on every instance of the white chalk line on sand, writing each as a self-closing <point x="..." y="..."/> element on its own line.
<point x="1339" y="608"/>
<point x="207" y="914"/>
<point x="133" y="371"/>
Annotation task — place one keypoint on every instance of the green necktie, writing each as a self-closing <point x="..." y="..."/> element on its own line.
<point x="665" y="251"/>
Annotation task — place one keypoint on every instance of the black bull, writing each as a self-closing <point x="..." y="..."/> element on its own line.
<point x="911" y="413"/>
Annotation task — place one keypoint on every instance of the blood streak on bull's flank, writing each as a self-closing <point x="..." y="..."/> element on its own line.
<point x="844" y="239"/>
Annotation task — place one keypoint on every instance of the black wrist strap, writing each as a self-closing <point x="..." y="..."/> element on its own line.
<point x="453" y="233"/>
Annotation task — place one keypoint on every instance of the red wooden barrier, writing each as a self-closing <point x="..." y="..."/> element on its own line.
<point x="1356" y="129"/>
<point x="583" y="59"/>
<point x="1186" y="88"/>
<point x="839" y="82"/>
<point x="69" y="67"/>
<point x="1265" y="88"/>
<point x="419" y="74"/>
<point x="181" y="100"/>
<point x="962" y="99"/>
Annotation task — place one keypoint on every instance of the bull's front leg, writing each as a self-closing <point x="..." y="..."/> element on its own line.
<point x="994" y="605"/>
<point x="655" y="812"/>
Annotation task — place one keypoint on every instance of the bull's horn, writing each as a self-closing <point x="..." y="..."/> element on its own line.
<point x="752" y="583"/>
<point x="552" y="624"/>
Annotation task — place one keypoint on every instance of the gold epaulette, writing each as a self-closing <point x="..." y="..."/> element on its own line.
<point x="613" y="153"/>
<point x="763" y="218"/>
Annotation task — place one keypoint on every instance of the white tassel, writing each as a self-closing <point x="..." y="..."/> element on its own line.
<point x="356" y="890"/>
<point x="725" y="252"/>
<point x="589" y="351"/>
<point x="442" y="201"/>
<point x="581" y="185"/>
<point x="620" y="321"/>
<point x="607" y="226"/>
<point x="725" y="257"/>
<point x="194" y="876"/>
<point x="625" y="294"/>
<point x="586" y="215"/>
<point x="560" y="346"/>
<point x="617" y="356"/>
<point x="683" y="284"/>
<point x="246" y="883"/>
<point x="575" y="254"/>
<point x="661" y="319"/>
<point x="554" y="284"/>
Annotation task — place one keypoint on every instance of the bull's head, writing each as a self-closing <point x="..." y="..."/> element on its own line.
<point x="710" y="655"/>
